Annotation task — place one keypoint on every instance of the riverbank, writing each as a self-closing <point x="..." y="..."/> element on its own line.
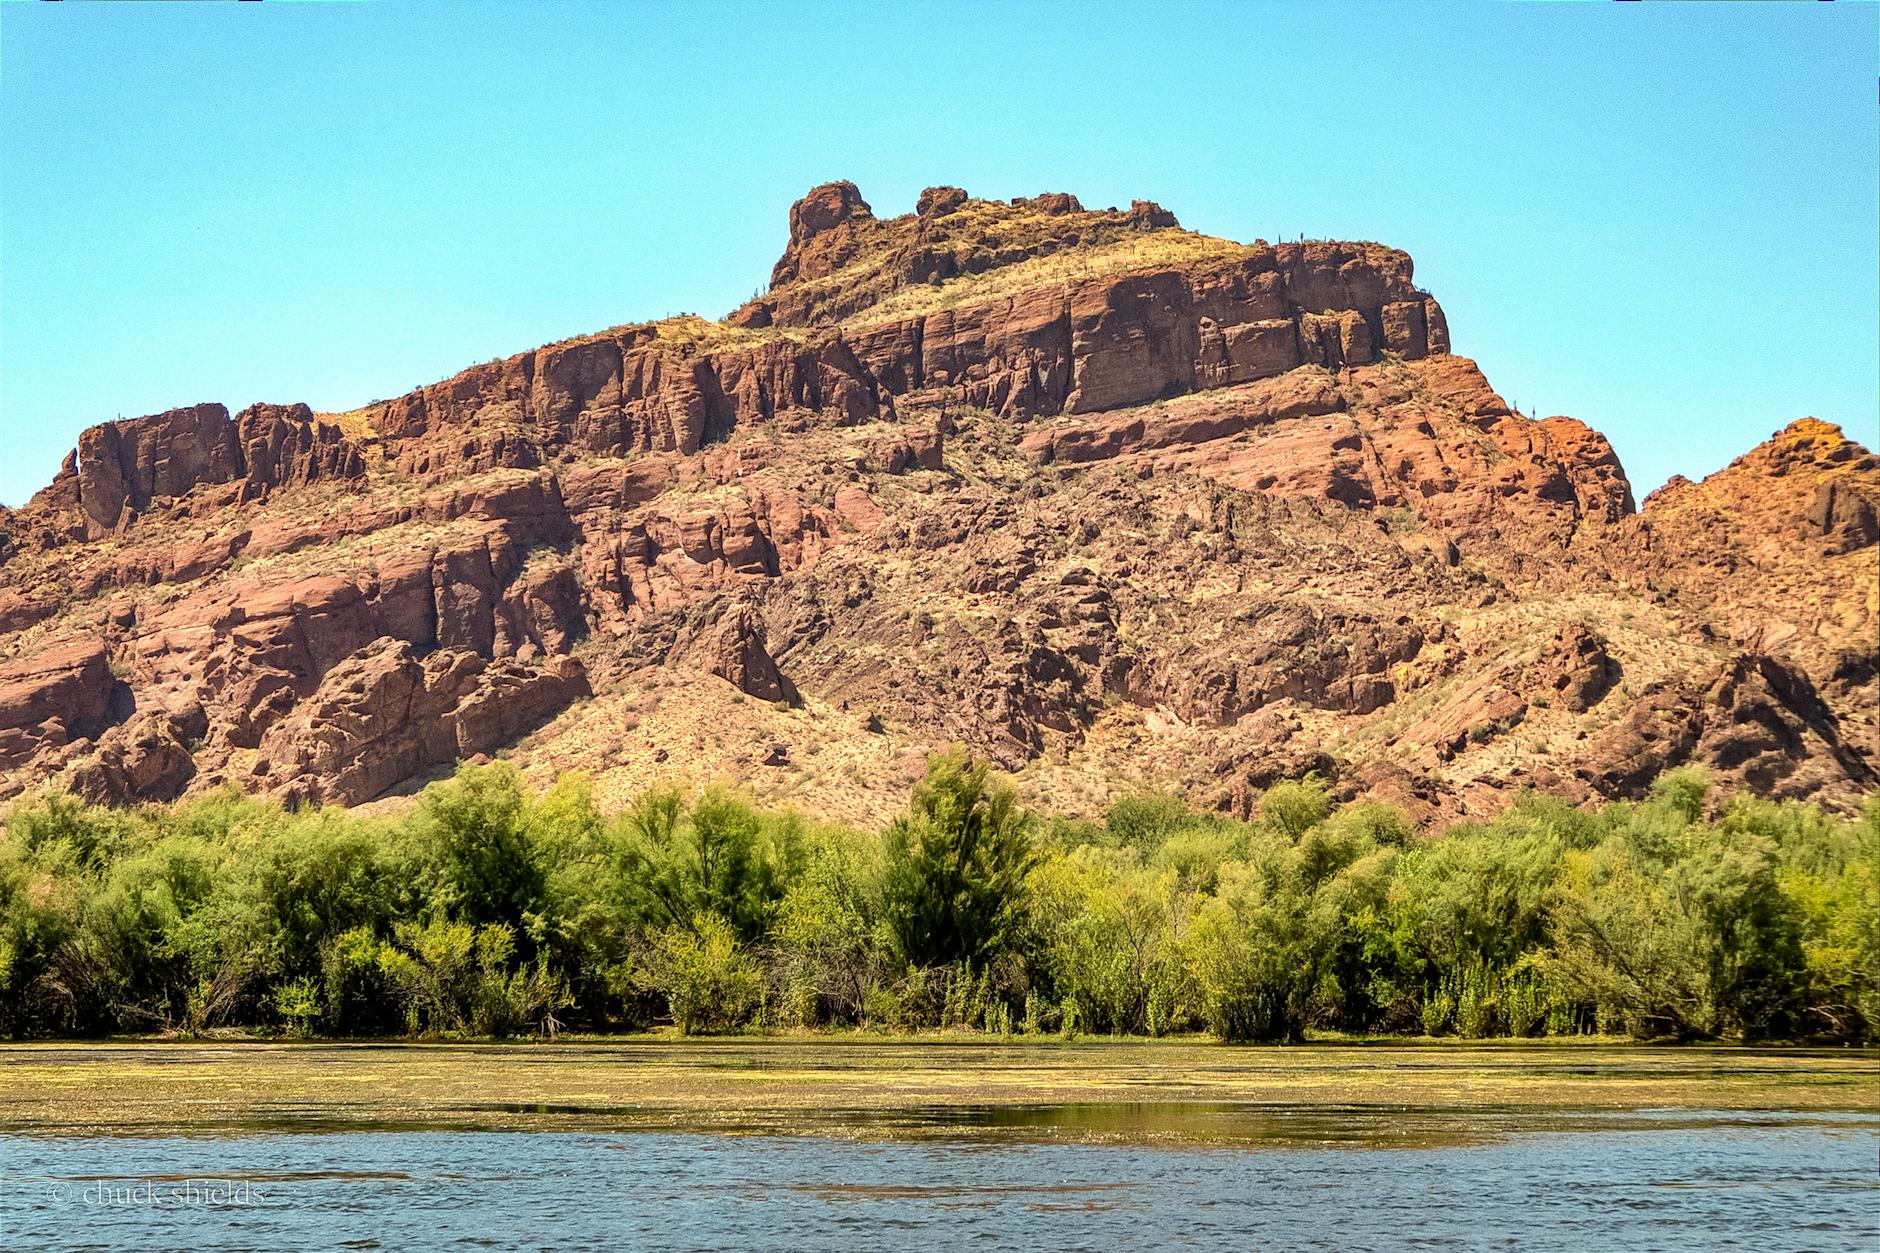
<point x="864" y="1085"/>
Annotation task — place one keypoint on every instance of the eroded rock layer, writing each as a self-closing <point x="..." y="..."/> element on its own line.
<point x="1115" y="504"/>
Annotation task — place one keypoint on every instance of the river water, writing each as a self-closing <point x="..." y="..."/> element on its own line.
<point x="1071" y="1177"/>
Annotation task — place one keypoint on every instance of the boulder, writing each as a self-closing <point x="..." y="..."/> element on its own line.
<point x="939" y="201"/>
<point x="732" y="646"/>
<point x="149" y="758"/>
<point x="52" y="697"/>
<point x="1575" y="669"/>
<point x="1055" y="203"/>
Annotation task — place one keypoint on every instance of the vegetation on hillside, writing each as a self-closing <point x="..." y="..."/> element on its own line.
<point x="490" y="910"/>
<point x="1125" y="252"/>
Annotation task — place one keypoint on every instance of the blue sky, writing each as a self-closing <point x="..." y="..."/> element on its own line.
<point x="1659" y="219"/>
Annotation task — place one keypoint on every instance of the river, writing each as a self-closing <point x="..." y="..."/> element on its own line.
<point x="222" y="1161"/>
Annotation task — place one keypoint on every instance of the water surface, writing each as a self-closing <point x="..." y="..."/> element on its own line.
<point x="1642" y="1181"/>
<point x="938" y="1144"/>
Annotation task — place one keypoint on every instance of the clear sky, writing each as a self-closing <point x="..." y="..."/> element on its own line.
<point x="1659" y="219"/>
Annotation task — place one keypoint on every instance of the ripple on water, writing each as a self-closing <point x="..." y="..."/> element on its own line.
<point x="1659" y="1181"/>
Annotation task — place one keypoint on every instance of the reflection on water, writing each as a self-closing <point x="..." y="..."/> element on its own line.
<point x="1184" y="1124"/>
<point x="1075" y="1176"/>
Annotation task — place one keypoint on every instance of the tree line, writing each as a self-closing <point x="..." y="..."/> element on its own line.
<point x="490" y="909"/>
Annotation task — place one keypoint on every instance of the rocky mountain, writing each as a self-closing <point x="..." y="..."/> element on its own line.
<point x="1114" y="503"/>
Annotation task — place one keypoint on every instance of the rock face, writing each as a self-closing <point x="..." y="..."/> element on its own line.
<point x="1101" y="343"/>
<point x="382" y="716"/>
<point x="1095" y="495"/>
<point x="52" y="697"/>
<point x="1751" y="720"/>
<point x="126" y="464"/>
<point x="1572" y="670"/>
<point x="122" y="467"/>
<point x="148" y="758"/>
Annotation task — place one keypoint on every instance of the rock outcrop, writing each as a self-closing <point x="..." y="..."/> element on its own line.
<point x="121" y="468"/>
<point x="731" y="645"/>
<point x="53" y="697"/>
<point x="1751" y="721"/>
<point x="150" y="757"/>
<point x="283" y="445"/>
<point x="1573" y="671"/>
<point x="382" y="716"/>
<point x="1100" y="497"/>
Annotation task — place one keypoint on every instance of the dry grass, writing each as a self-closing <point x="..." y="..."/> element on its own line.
<point x="1128" y="254"/>
<point x="356" y="424"/>
<point x="689" y="333"/>
<point x="349" y="554"/>
<point x="711" y="733"/>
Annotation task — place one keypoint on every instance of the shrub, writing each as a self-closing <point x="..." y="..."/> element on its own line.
<point x="709" y="982"/>
<point x="496" y="910"/>
<point x="1146" y="820"/>
<point x="298" y="1003"/>
<point x="431" y="970"/>
<point x="1296" y="806"/>
<point x="504" y="1001"/>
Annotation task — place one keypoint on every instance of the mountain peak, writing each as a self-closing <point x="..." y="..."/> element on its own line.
<point x="841" y="259"/>
<point x="826" y="210"/>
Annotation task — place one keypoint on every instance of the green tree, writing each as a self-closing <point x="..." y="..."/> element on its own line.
<point x="587" y="924"/>
<point x="826" y="938"/>
<point x="953" y="887"/>
<point x="1465" y="910"/>
<point x="1107" y="928"/>
<point x="134" y="925"/>
<point x="1263" y="947"/>
<point x="93" y="835"/>
<point x="474" y="833"/>
<point x="720" y="857"/>
<point x="1685" y="936"/>
<point x="322" y="874"/>
<point x="709" y="981"/>
<point x="432" y="972"/>
<point x="1683" y="791"/>
<point x="43" y="984"/>
<point x="1830" y="874"/>
<point x="1297" y="805"/>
